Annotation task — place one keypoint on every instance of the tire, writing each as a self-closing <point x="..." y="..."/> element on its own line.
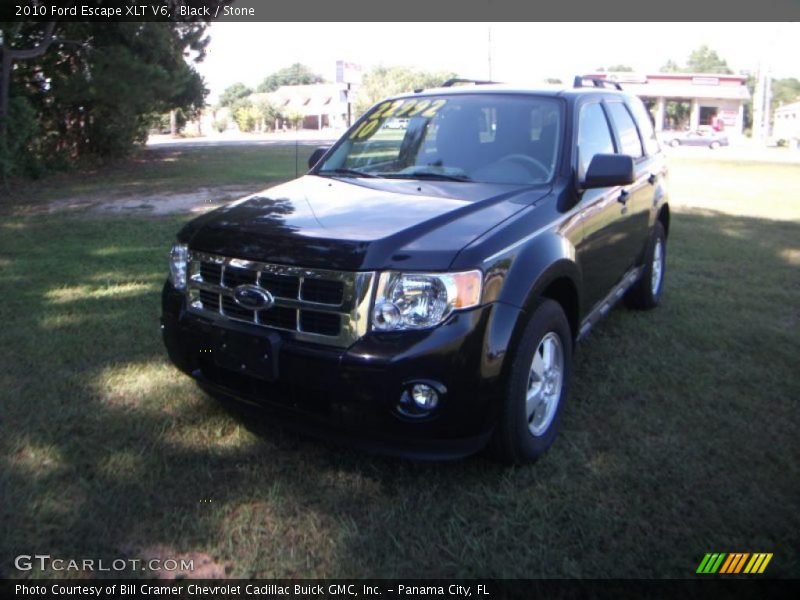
<point x="714" y="145"/>
<point x="646" y="293"/>
<point x="519" y="437"/>
<point x="675" y="143"/>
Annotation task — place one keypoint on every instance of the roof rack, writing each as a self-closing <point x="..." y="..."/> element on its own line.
<point x="596" y="82"/>
<point x="455" y="80"/>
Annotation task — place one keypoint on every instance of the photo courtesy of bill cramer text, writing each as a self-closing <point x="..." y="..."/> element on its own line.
<point x="250" y="590"/>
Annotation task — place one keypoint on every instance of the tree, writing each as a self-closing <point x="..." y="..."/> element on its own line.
<point x="234" y="92"/>
<point x="82" y="104"/>
<point x="37" y="44"/>
<point x="616" y="69"/>
<point x="701" y="60"/>
<point x="245" y="115"/>
<point x="706" y="60"/>
<point x="297" y="74"/>
<point x="670" y="67"/>
<point x="294" y="118"/>
<point x="785" y="91"/>
<point x="386" y="81"/>
<point x="267" y="112"/>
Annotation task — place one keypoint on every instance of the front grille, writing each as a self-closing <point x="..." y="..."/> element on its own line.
<point x="323" y="291"/>
<point x="319" y="305"/>
<point x="319" y="322"/>
<point x="209" y="300"/>
<point x="233" y="276"/>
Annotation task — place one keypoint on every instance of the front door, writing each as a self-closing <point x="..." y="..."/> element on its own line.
<point x="603" y="251"/>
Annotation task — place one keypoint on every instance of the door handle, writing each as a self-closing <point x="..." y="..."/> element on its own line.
<point x="652" y="179"/>
<point x="623" y="197"/>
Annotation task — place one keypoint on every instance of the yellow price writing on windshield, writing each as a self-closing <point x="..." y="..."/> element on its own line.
<point x="398" y="109"/>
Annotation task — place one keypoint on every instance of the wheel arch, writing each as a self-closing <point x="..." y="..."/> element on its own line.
<point x="560" y="283"/>
<point x="664" y="218"/>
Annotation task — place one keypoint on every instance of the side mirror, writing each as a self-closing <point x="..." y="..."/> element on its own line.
<point x="609" y="170"/>
<point x="317" y="155"/>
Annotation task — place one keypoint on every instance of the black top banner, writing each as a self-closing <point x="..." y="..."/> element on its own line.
<point x="390" y="10"/>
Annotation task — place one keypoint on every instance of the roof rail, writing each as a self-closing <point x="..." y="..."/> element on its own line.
<point x="596" y="82"/>
<point x="455" y="80"/>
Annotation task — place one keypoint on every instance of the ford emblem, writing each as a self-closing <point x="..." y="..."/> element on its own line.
<point x="253" y="297"/>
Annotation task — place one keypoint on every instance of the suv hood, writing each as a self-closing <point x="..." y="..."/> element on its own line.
<point x="357" y="224"/>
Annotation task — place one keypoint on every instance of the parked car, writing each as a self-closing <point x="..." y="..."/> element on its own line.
<point x="700" y="137"/>
<point x="422" y="294"/>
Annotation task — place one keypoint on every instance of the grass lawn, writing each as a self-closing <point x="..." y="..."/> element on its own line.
<point x="680" y="435"/>
<point x="167" y="170"/>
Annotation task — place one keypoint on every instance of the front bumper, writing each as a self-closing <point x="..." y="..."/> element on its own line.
<point x="352" y="394"/>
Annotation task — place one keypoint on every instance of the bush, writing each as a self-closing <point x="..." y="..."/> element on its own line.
<point x="245" y="115"/>
<point x="220" y="125"/>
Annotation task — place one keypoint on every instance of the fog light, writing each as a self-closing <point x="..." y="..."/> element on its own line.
<point x="420" y="399"/>
<point x="424" y="396"/>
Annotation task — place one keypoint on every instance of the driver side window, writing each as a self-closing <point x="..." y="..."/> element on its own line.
<point x="594" y="136"/>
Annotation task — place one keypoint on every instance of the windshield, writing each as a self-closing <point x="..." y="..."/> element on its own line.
<point x="487" y="138"/>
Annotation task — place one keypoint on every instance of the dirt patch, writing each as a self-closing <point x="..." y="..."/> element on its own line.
<point x="197" y="201"/>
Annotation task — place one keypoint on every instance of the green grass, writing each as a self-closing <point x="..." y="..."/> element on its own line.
<point x="738" y="187"/>
<point x="165" y="170"/>
<point x="680" y="435"/>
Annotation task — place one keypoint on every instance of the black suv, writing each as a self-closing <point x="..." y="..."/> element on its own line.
<point x="421" y="288"/>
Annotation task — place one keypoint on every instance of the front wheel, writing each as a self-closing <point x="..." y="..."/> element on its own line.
<point x="536" y="386"/>
<point x="646" y="293"/>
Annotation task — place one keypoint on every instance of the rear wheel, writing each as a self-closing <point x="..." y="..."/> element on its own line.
<point x="675" y="143"/>
<point x="714" y="145"/>
<point x="646" y="293"/>
<point x="536" y="386"/>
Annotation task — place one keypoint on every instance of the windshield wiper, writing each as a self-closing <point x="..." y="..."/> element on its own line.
<point x="351" y="172"/>
<point x="428" y="175"/>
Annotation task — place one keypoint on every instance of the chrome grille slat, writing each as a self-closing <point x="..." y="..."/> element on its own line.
<point x="338" y="324"/>
<point x="279" y="301"/>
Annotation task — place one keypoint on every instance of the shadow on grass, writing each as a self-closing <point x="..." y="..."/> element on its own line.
<point x="679" y="437"/>
<point x="163" y="171"/>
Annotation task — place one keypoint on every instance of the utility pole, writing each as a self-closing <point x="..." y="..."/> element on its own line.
<point x="762" y="100"/>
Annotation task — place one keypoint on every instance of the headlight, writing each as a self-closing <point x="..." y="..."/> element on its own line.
<point x="178" y="257"/>
<point x="422" y="300"/>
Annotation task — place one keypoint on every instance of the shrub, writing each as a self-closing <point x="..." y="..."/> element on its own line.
<point x="220" y="125"/>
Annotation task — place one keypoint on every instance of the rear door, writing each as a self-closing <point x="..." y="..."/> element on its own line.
<point x="638" y="197"/>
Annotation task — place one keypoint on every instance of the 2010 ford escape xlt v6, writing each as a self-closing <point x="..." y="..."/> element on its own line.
<point x="421" y="288"/>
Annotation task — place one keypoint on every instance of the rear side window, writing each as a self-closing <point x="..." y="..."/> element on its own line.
<point x="626" y="129"/>
<point x="645" y="123"/>
<point x="594" y="137"/>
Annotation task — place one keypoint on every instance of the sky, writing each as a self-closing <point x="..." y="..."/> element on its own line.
<point x="248" y="52"/>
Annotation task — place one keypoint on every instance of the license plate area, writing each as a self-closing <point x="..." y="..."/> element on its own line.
<point x="255" y="356"/>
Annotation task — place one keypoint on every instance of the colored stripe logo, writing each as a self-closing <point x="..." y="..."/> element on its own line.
<point x="734" y="563"/>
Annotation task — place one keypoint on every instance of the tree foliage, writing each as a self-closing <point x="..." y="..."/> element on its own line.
<point x="233" y="93"/>
<point x="94" y="90"/>
<point x="671" y="67"/>
<point x="616" y="69"/>
<point x="386" y="81"/>
<point x="267" y="112"/>
<point x="700" y="60"/>
<point x="252" y="113"/>
<point x="296" y="74"/>
<point x="785" y="91"/>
